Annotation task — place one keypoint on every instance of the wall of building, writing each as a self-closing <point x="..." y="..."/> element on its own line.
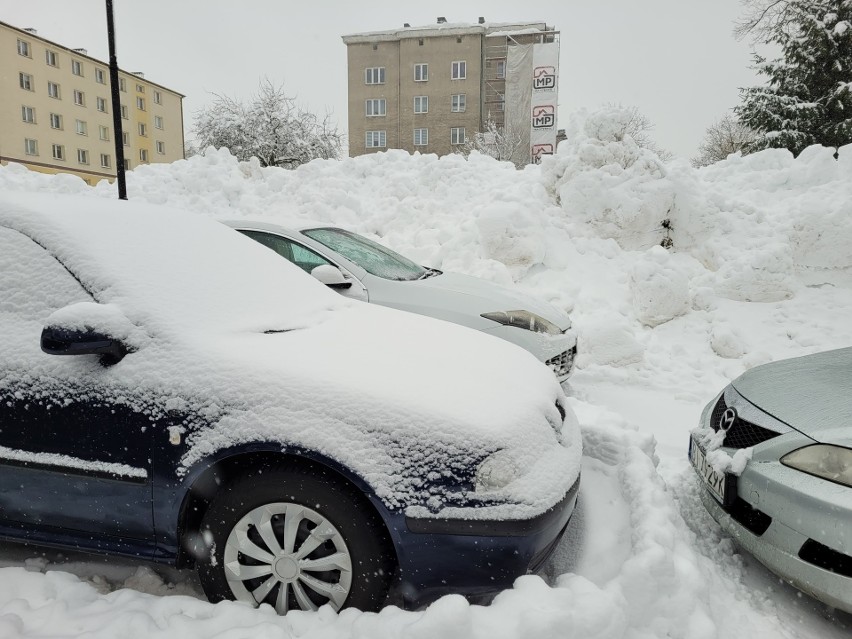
<point x="70" y="135"/>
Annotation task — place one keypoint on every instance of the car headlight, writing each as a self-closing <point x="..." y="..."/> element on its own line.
<point x="833" y="463"/>
<point x="496" y="472"/>
<point x="525" y="320"/>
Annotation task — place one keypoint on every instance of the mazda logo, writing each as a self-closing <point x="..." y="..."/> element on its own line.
<point x="727" y="419"/>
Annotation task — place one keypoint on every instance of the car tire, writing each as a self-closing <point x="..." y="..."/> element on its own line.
<point x="296" y="539"/>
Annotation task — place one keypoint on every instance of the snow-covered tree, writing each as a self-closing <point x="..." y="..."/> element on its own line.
<point x="270" y="126"/>
<point x="723" y="137"/>
<point x="500" y="142"/>
<point x="636" y="124"/>
<point x="808" y="98"/>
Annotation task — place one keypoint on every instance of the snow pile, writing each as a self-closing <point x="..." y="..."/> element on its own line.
<point x="661" y="332"/>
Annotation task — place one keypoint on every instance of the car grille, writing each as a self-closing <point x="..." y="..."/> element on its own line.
<point x="561" y="364"/>
<point x="742" y="434"/>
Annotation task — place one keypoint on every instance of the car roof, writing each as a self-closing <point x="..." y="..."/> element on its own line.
<point x="274" y="227"/>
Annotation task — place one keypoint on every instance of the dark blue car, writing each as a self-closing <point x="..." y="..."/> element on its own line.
<point x="171" y="390"/>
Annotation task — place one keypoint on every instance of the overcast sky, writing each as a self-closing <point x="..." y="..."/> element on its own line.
<point x="674" y="59"/>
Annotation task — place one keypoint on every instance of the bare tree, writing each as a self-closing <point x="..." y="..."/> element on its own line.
<point x="762" y="18"/>
<point x="270" y="127"/>
<point x="723" y="137"/>
<point x="635" y="124"/>
<point x="500" y="142"/>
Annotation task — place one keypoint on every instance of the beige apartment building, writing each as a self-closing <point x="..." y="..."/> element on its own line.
<point x="56" y="111"/>
<point x="430" y="89"/>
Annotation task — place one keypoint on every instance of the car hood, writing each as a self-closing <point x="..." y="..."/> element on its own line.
<point x="493" y="296"/>
<point x="812" y="394"/>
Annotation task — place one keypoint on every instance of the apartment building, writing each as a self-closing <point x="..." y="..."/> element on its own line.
<point x="56" y="111"/>
<point x="431" y="88"/>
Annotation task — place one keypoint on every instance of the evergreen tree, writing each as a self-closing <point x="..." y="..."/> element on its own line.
<point x="808" y="99"/>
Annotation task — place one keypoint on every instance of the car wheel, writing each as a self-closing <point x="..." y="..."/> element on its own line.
<point x="294" y="539"/>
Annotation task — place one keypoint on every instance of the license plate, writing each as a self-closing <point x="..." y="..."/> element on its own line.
<point x="720" y="485"/>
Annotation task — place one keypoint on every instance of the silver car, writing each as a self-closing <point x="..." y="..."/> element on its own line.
<point x="791" y="506"/>
<point x="359" y="268"/>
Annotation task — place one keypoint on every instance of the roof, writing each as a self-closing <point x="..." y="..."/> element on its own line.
<point x="29" y="34"/>
<point x="446" y="29"/>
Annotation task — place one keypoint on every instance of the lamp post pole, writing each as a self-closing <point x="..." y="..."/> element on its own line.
<point x="116" y="105"/>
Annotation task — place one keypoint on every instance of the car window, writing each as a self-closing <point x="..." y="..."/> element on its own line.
<point x="301" y="256"/>
<point x="372" y="257"/>
<point x="33" y="283"/>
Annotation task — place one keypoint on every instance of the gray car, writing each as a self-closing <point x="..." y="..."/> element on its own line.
<point x="791" y="506"/>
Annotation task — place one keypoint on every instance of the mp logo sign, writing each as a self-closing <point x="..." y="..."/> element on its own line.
<point x="539" y="150"/>
<point x="543" y="116"/>
<point x="544" y="78"/>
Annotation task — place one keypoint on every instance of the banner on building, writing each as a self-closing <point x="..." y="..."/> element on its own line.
<point x="543" y="103"/>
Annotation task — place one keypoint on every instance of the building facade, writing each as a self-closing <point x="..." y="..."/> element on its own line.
<point x="56" y="111"/>
<point x="430" y="89"/>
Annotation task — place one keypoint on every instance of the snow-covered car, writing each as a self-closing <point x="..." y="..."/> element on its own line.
<point x="172" y="391"/>
<point x="774" y="453"/>
<point x="362" y="269"/>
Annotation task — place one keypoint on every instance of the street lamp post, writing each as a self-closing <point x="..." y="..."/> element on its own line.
<point x="116" y="105"/>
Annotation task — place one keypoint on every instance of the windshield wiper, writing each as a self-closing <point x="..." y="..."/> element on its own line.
<point x="430" y="272"/>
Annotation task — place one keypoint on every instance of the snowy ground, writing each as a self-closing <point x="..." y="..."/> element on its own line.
<point x="760" y="270"/>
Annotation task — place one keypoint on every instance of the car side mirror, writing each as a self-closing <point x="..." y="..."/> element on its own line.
<point x="56" y="340"/>
<point x="88" y="328"/>
<point x="330" y="276"/>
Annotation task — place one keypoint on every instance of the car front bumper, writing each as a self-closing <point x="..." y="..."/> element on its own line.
<point x="798" y="526"/>
<point x="555" y="351"/>
<point x="475" y="558"/>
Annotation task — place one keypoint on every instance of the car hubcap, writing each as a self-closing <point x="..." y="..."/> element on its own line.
<point x="289" y="556"/>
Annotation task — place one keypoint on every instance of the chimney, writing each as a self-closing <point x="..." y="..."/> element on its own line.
<point x="31" y="30"/>
<point x="406" y="25"/>
<point x="83" y="51"/>
<point x="139" y="73"/>
<point x="442" y="20"/>
<point x="481" y="20"/>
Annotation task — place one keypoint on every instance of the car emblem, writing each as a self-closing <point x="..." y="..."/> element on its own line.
<point x="726" y="421"/>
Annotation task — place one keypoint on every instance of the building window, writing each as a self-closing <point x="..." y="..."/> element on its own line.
<point x="53" y="90"/>
<point x="79" y="98"/>
<point x="82" y="156"/>
<point x="122" y="85"/>
<point x="458" y="103"/>
<point x="421" y="104"/>
<point x="161" y="147"/>
<point x="125" y="138"/>
<point x="50" y="58"/>
<point x="55" y="121"/>
<point x="100" y="76"/>
<point x="28" y="114"/>
<point x="26" y="81"/>
<point x="374" y="75"/>
<point x="124" y="111"/>
<point x="140" y="88"/>
<point x="77" y="67"/>
<point x="158" y="121"/>
<point x="82" y="128"/>
<point x="459" y="70"/>
<point x="24" y="48"/>
<point x="376" y="140"/>
<point x="30" y="147"/>
<point x="58" y="152"/>
<point x="501" y="69"/>
<point x="376" y="107"/>
<point x="158" y="97"/>
<point x="103" y="133"/>
<point x="106" y="161"/>
<point x="457" y="135"/>
<point x="143" y="155"/>
<point x="102" y="107"/>
<point x="421" y="72"/>
<point x="501" y="106"/>
<point x="127" y="165"/>
<point x="140" y="104"/>
<point x="421" y="137"/>
<point x="143" y="129"/>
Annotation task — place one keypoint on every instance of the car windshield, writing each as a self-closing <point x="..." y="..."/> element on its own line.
<point x="370" y="256"/>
